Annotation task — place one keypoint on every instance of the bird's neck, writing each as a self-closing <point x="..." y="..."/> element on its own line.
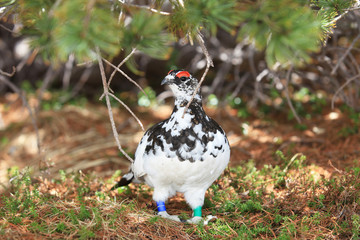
<point x="180" y="105"/>
<point x="181" y="100"/>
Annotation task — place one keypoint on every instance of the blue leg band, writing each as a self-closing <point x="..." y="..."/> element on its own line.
<point x="161" y="206"/>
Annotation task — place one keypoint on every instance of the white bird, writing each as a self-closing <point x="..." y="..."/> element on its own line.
<point x="183" y="154"/>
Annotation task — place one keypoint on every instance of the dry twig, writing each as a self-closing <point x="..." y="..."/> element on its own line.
<point x="345" y="54"/>
<point x="79" y="84"/>
<point x="67" y="72"/>
<point x="288" y="78"/>
<point x="8" y="74"/>
<point x="108" y="104"/>
<point x="127" y="108"/>
<point x="49" y="77"/>
<point x="125" y="75"/>
<point x="130" y="79"/>
<point x="342" y="87"/>
<point x="118" y="66"/>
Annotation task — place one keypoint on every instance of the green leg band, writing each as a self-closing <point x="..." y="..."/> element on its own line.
<point x="197" y="212"/>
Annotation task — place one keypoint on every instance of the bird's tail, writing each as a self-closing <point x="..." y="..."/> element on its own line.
<point x="124" y="181"/>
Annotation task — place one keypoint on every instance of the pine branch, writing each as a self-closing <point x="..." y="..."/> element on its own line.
<point x="145" y="7"/>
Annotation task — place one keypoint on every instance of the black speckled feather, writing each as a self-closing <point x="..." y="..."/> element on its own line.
<point x="187" y="136"/>
<point x="185" y="153"/>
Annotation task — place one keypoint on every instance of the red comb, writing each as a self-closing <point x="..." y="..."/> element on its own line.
<point x="183" y="74"/>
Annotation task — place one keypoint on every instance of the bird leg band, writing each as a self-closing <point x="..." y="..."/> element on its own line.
<point x="161" y="206"/>
<point x="197" y="212"/>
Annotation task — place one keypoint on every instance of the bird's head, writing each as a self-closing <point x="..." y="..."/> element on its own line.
<point x="182" y="84"/>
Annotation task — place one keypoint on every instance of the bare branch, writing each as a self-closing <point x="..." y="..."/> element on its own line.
<point x="288" y="78"/>
<point x="345" y="54"/>
<point x="108" y="104"/>
<point x="254" y="74"/>
<point x="79" y="84"/>
<point x="67" y="72"/>
<point x="8" y="74"/>
<point x="6" y="28"/>
<point x="342" y="87"/>
<point x="125" y="75"/>
<point x="49" y="77"/>
<point x="209" y="63"/>
<point x="108" y="86"/>
<point x="240" y="81"/>
<point x="127" y="108"/>
<point x="120" y="64"/>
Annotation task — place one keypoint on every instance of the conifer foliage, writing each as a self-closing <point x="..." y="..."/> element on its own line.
<point x="288" y="30"/>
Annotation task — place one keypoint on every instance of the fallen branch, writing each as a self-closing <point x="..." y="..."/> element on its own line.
<point x="108" y="104"/>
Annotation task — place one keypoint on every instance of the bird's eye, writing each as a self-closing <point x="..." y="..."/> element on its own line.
<point x="183" y="79"/>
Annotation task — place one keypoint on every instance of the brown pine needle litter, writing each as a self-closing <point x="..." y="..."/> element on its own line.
<point x="280" y="183"/>
<point x="249" y="203"/>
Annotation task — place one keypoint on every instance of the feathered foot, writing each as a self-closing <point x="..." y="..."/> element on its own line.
<point x="164" y="214"/>
<point x="197" y="220"/>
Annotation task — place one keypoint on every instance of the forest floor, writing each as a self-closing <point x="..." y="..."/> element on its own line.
<point x="284" y="180"/>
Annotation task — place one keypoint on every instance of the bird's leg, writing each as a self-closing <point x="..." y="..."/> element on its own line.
<point x="197" y="212"/>
<point x="162" y="212"/>
<point x="197" y="217"/>
<point x="161" y="206"/>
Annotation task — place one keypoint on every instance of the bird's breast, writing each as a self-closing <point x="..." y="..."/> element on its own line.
<point x="192" y="138"/>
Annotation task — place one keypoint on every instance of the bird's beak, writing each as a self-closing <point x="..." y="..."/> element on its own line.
<point x="167" y="80"/>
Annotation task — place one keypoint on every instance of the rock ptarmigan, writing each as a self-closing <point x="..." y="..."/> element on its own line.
<point x="183" y="154"/>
